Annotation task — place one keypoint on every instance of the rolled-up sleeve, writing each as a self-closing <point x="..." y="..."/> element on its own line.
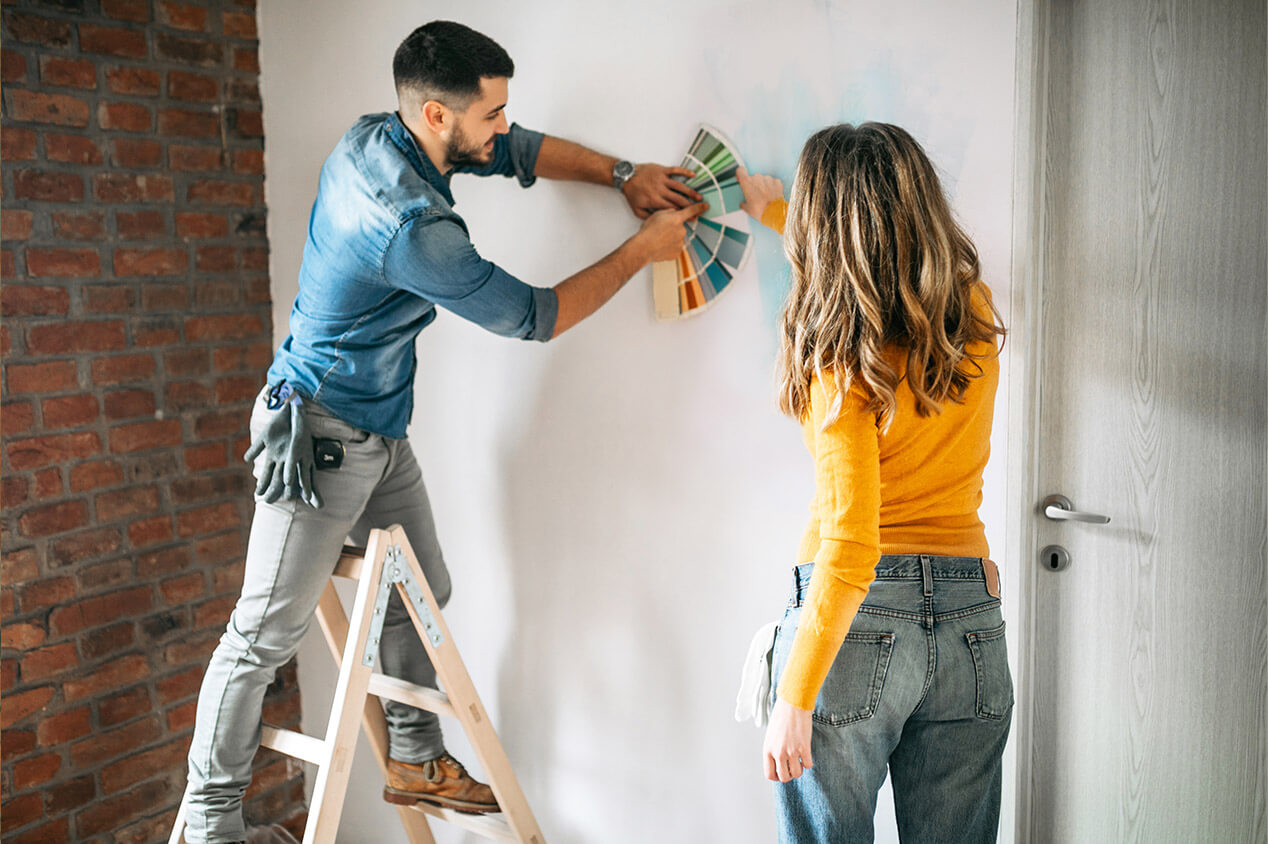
<point x="514" y="154"/>
<point x="435" y="259"/>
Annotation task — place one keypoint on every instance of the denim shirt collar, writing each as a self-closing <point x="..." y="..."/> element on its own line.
<point x="405" y="142"/>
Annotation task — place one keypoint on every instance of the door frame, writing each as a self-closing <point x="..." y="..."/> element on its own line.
<point x="1024" y="388"/>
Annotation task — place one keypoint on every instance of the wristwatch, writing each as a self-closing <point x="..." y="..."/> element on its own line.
<point x="622" y="172"/>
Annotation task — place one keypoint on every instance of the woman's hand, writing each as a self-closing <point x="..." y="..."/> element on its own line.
<point x="786" y="751"/>
<point x="759" y="191"/>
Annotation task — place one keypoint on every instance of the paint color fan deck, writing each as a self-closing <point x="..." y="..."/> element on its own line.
<point x="718" y="242"/>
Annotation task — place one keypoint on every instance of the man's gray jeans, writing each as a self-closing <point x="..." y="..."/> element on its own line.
<point x="292" y="551"/>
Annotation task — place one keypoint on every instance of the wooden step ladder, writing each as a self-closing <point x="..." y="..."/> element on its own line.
<point x="385" y="563"/>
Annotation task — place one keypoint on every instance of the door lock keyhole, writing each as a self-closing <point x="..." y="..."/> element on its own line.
<point x="1054" y="558"/>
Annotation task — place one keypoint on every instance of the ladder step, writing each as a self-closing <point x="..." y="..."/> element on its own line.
<point x="295" y="744"/>
<point x="351" y="559"/>
<point x="400" y="691"/>
<point x="490" y="826"/>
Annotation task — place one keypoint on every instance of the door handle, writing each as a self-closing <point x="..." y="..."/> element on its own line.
<point x="1059" y="509"/>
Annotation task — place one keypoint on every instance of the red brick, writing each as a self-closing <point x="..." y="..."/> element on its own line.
<point x="194" y="158"/>
<point x="69" y="411"/>
<point x="12" y="66"/>
<point x="46" y="662"/>
<point x="16" y="418"/>
<point x="104" y="575"/>
<point x="135" y="154"/>
<point x="248" y="161"/>
<point x="84" y="545"/>
<point x="185" y="362"/>
<point x="247" y="123"/>
<point x="242" y="90"/>
<point x="14" y="491"/>
<point x="75" y="337"/>
<point x="37" y="107"/>
<point x="140" y="225"/>
<point x="18" y="706"/>
<point x="247" y="59"/>
<point x="35" y="771"/>
<point x="207" y="456"/>
<point x="179" y="686"/>
<point x="8" y="606"/>
<point x="112" y="744"/>
<point x="212" y="426"/>
<point x="8" y="265"/>
<point x="41" y="377"/>
<point x="68" y="796"/>
<point x="137" y="262"/>
<point x="249" y="356"/>
<point x="183" y="16"/>
<point x="107" y="640"/>
<point x="162" y="562"/>
<point x="119" y="370"/>
<point x="193" y="87"/>
<point x="17" y="144"/>
<point x="125" y="706"/>
<point x="68" y="263"/>
<point x="64" y="727"/>
<point x="124" y="117"/>
<point x="15" y="224"/>
<point x="181" y="718"/>
<point x="150" y="531"/>
<point x="71" y="149"/>
<point x="19" y="566"/>
<point x="48" y="484"/>
<point x="183" y="123"/>
<point x="225" y="327"/>
<point x="199" y="51"/>
<point x="36" y="29"/>
<point x="86" y="476"/>
<point x="128" y="502"/>
<point x="32" y="300"/>
<point x="255" y="258"/>
<point x="239" y="25"/>
<point x="46" y="593"/>
<point x="117" y="672"/>
<point x="113" y="812"/>
<point x="108" y="298"/>
<point x="140" y="436"/>
<point x="191" y="225"/>
<point x="143" y="766"/>
<point x="112" y="41"/>
<point x="164" y="297"/>
<point x="23" y="810"/>
<point x="6" y="341"/>
<point x="155" y="334"/>
<point x="134" y="80"/>
<point x="55" y="830"/>
<point x="126" y="187"/>
<point x="178" y="591"/>
<point x="128" y="404"/>
<point x="53" y="518"/>
<point x="90" y="226"/>
<point x="216" y="294"/>
<point x="180" y="396"/>
<point x="237" y="389"/>
<point x="47" y="187"/>
<point x="27" y="635"/>
<point x="137" y="11"/>
<point x="216" y="259"/>
<point x="214" y="613"/>
<point x="210" y="519"/>
<point x="38" y="452"/>
<point x="68" y="73"/>
<point x="214" y="192"/>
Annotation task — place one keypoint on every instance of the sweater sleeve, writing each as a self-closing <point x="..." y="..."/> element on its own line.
<point x="847" y="493"/>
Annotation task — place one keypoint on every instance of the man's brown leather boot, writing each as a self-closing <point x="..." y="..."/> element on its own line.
<point x="441" y="782"/>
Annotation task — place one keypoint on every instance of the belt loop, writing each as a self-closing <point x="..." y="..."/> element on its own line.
<point x="926" y="574"/>
<point x="796" y="590"/>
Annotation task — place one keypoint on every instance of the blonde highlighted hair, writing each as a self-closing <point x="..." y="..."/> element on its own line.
<point x="878" y="261"/>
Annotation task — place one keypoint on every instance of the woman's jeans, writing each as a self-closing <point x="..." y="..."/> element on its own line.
<point x="292" y="552"/>
<point x="921" y="686"/>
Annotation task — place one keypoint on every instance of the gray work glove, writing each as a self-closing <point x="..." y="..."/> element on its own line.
<point x="289" y="463"/>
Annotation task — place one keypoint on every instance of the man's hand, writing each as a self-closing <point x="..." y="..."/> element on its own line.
<point x="289" y="463"/>
<point x="786" y="751"/>
<point x="759" y="191"/>
<point x="662" y="234"/>
<point x="652" y="188"/>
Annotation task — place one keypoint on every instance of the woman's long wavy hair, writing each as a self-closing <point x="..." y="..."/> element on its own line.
<point x="878" y="261"/>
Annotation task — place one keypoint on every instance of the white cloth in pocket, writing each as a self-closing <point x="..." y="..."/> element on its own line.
<point x="755" y="679"/>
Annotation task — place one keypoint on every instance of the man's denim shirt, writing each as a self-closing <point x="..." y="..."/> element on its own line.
<point x="384" y="248"/>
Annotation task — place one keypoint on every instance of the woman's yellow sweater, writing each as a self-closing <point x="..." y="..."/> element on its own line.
<point x="914" y="489"/>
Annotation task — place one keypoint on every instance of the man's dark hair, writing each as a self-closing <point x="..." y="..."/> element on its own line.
<point x="444" y="61"/>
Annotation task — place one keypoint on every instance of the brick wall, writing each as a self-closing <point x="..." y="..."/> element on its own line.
<point x="136" y="329"/>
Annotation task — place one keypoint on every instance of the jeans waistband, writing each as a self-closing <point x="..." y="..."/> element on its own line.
<point x="921" y="567"/>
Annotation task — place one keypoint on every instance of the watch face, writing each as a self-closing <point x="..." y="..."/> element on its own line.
<point x="623" y="170"/>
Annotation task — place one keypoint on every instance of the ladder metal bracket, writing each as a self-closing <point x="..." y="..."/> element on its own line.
<point x="396" y="570"/>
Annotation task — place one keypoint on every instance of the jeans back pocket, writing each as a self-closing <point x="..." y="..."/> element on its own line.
<point x="994" y="680"/>
<point x="852" y="690"/>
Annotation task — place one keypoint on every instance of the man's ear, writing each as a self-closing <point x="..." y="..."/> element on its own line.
<point x="436" y="117"/>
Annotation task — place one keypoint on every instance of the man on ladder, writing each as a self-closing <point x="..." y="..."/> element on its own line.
<point x="384" y="248"/>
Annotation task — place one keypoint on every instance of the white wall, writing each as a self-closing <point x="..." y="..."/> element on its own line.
<point x="620" y="507"/>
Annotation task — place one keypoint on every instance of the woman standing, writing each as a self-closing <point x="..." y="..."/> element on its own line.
<point x="891" y="654"/>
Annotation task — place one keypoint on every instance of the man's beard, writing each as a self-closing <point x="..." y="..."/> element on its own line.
<point x="462" y="152"/>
